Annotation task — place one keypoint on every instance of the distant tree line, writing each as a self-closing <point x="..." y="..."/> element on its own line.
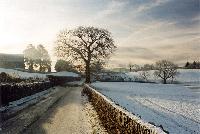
<point x="63" y="65"/>
<point x="11" y="61"/>
<point x="145" y="67"/>
<point x="194" y="65"/>
<point x="163" y="69"/>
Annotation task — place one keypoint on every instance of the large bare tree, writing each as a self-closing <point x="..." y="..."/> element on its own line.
<point x="86" y="44"/>
<point x="165" y="70"/>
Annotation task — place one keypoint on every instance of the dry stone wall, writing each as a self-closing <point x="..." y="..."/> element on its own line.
<point x="115" y="119"/>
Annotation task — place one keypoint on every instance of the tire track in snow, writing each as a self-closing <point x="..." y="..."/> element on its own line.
<point x="164" y="108"/>
<point x="153" y="109"/>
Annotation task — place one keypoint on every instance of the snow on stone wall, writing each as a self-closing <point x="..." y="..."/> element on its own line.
<point x="115" y="119"/>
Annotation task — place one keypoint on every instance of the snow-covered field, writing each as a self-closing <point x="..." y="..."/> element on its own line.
<point x="189" y="76"/>
<point x="35" y="75"/>
<point x="184" y="76"/>
<point x="175" y="107"/>
<point x="64" y="73"/>
<point x="22" y="74"/>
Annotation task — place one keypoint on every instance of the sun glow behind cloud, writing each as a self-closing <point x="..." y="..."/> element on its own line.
<point x="144" y="31"/>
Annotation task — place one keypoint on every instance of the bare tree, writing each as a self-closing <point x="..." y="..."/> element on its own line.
<point x="37" y="57"/>
<point x="148" y="67"/>
<point x="62" y="65"/>
<point x="97" y="66"/>
<point x="30" y="57"/>
<point x="136" y="67"/>
<point x="130" y="67"/>
<point x="144" y="75"/>
<point x="43" y="60"/>
<point x="165" y="70"/>
<point x="86" y="44"/>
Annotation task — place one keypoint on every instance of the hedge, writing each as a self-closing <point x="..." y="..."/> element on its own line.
<point x="14" y="91"/>
<point x="59" y="80"/>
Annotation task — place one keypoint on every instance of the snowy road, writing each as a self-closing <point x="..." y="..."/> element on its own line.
<point x="67" y="116"/>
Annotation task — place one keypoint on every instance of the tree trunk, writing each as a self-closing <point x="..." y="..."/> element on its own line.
<point x="164" y="81"/>
<point x="31" y="66"/>
<point x="49" y="69"/>
<point x="40" y="64"/>
<point x="87" y="72"/>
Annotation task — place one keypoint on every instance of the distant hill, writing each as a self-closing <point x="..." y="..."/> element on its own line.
<point x="119" y="70"/>
<point x="11" y="60"/>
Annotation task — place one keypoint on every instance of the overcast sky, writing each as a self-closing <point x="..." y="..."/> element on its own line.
<point x="144" y="30"/>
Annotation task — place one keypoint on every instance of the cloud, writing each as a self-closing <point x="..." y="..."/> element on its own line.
<point x="180" y="11"/>
<point x="142" y="55"/>
<point x="143" y="30"/>
<point x="114" y="7"/>
<point x="135" y="55"/>
<point x="143" y="6"/>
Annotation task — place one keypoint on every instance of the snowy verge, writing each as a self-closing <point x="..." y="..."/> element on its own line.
<point x="93" y="117"/>
<point x="27" y="116"/>
<point x="16" y="106"/>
